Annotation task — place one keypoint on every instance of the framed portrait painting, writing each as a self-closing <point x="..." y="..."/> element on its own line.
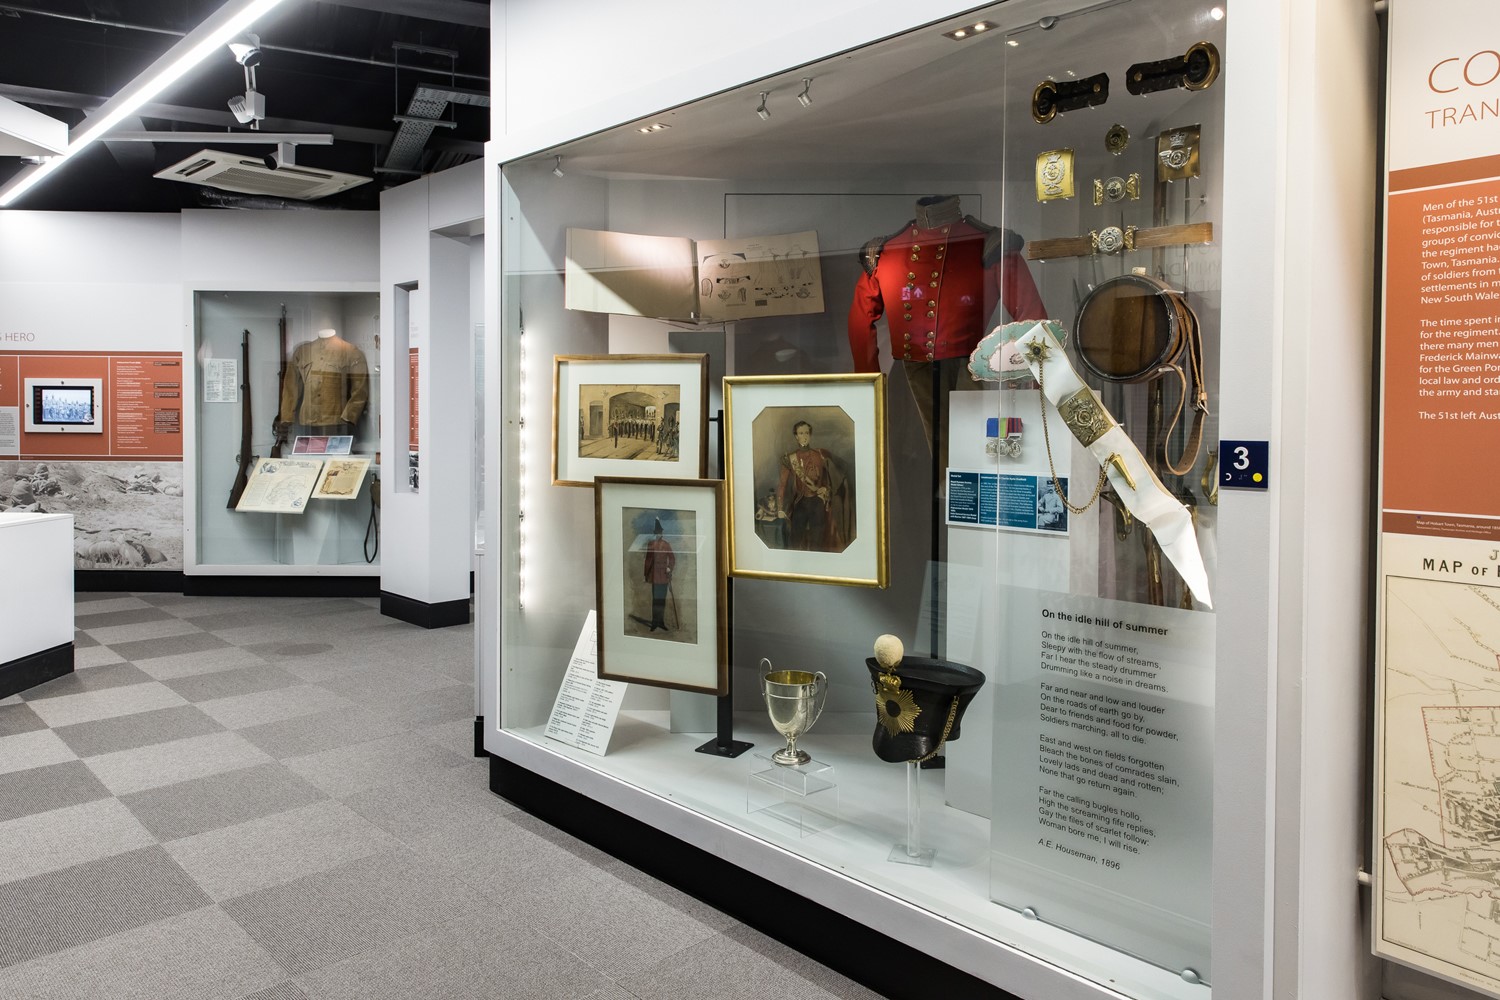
<point x="629" y="415"/>
<point x="660" y="583"/>
<point x="806" y="478"/>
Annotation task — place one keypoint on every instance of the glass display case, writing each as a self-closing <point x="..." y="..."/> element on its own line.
<point x="956" y="295"/>
<point x="286" y="421"/>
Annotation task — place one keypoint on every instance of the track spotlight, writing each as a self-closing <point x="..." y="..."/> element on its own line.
<point x="805" y="98"/>
<point x="249" y="107"/>
<point x="764" y="114"/>
<point x="246" y="49"/>
<point x="557" y="170"/>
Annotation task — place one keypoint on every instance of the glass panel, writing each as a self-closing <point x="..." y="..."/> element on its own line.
<point x="322" y="376"/>
<point x="1104" y="696"/>
<point x="879" y="226"/>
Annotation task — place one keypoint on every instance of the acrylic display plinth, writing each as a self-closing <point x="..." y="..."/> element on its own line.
<point x="805" y="796"/>
<point x="912" y="852"/>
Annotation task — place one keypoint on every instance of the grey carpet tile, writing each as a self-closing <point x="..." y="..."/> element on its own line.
<point x="483" y="963"/>
<point x="208" y="661"/>
<point x="428" y="708"/>
<point x="121" y="636"/>
<point x="456" y="735"/>
<point x="313" y="608"/>
<point x="49" y="841"/>
<point x="261" y="707"/>
<point x="614" y="991"/>
<point x="94" y="655"/>
<point x="613" y="926"/>
<point x="82" y="640"/>
<point x="281" y="991"/>
<point x="512" y="867"/>
<point x="67" y="710"/>
<point x="19" y="718"/>
<point x="438" y="815"/>
<point x="229" y="618"/>
<point x="198" y="955"/>
<point x="230" y="683"/>
<point x="160" y="764"/>
<point x="37" y="748"/>
<point x="99" y="678"/>
<point x="736" y="972"/>
<point x="100" y="596"/>
<point x="372" y="903"/>
<point x="310" y="734"/>
<point x="63" y="909"/>
<point x="261" y="853"/>
<point x="88" y="619"/>
<point x="40" y="789"/>
<point x="192" y="807"/>
<point x="383" y="685"/>
<point x="391" y="759"/>
<point x="172" y="645"/>
<point x="126" y="732"/>
<point x="793" y="961"/>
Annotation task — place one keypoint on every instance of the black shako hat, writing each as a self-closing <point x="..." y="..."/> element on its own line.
<point x="918" y="705"/>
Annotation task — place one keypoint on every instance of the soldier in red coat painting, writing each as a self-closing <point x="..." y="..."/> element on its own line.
<point x="813" y="496"/>
<point x="660" y="562"/>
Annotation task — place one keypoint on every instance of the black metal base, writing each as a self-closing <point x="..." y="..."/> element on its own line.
<point x="732" y="748"/>
<point x="440" y="615"/>
<point x="887" y="966"/>
<point x="119" y="581"/>
<point x="281" y="586"/>
<point x="27" y="672"/>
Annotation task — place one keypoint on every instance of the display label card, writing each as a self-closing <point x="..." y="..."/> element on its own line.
<point x="221" y="380"/>
<point x="280" y="485"/>
<point x="1103" y="794"/>
<point x="10" y="430"/>
<point x="1016" y="502"/>
<point x="586" y="707"/>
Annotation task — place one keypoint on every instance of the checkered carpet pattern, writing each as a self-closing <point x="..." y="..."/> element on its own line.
<point x="277" y="799"/>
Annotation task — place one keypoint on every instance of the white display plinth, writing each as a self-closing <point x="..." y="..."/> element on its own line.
<point x="36" y="592"/>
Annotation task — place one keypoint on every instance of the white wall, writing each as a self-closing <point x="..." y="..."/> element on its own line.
<point x="427" y="535"/>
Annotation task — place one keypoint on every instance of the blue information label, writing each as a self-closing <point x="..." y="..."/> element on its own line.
<point x="963" y="497"/>
<point x="1244" y="465"/>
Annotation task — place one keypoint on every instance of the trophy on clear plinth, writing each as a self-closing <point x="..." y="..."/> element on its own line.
<point x="794" y="698"/>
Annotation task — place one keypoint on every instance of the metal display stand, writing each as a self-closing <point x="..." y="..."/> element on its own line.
<point x="724" y="744"/>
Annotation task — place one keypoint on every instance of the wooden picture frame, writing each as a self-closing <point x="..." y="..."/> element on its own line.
<point x="812" y="510"/>
<point x="629" y="415"/>
<point x="660" y="583"/>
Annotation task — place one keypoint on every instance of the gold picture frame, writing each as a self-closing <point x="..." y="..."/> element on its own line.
<point x="660" y="584"/>
<point x="807" y="506"/>
<point x="629" y="415"/>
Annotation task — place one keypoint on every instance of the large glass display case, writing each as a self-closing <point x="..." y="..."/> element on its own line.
<point x="956" y="295"/>
<point x="286" y="422"/>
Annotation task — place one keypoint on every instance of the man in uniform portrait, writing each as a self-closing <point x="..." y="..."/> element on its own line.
<point x="660" y="562"/>
<point x="813" y="496"/>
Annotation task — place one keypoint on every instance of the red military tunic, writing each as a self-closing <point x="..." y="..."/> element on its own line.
<point x="937" y="281"/>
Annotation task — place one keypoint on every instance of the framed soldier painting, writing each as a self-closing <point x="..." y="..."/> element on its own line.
<point x="635" y="415"/>
<point x="660" y="583"/>
<point x="806" y="478"/>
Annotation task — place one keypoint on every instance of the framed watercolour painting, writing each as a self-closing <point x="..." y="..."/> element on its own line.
<point x="629" y="415"/>
<point x="660" y="583"/>
<point x="806" y="478"/>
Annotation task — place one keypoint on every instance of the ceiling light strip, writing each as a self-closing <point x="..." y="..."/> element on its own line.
<point x="216" y="30"/>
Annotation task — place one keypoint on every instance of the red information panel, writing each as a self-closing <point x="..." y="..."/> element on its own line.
<point x="1442" y="355"/>
<point x="139" y="405"/>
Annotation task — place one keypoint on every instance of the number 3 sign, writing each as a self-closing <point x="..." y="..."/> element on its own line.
<point x="1244" y="465"/>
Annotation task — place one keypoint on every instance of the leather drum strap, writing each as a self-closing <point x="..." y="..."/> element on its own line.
<point x="1192" y="379"/>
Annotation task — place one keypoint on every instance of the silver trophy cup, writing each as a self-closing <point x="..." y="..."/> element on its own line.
<point x="794" y="698"/>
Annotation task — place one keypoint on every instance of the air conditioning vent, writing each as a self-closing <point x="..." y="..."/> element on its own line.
<point x="236" y="172"/>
